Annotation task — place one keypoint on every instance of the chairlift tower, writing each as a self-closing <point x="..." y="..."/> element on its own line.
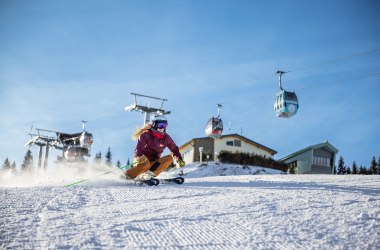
<point x="148" y="109"/>
<point x="74" y="146"/>
<point x="42" y="141"/>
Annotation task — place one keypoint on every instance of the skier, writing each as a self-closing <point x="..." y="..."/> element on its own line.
<point x="152" y="141"/>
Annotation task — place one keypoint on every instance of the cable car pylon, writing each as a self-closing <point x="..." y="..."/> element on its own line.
<point x="148" y="110"/>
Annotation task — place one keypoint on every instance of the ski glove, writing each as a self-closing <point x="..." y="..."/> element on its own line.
<point x="181" y="163"/>
<point x="140" y="160"/>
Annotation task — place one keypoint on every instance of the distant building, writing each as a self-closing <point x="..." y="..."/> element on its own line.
<point x="210" y="147"/>
<point x="315" y="159"/>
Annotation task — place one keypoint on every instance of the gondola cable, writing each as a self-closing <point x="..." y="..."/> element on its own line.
<point x="336" y="60"/>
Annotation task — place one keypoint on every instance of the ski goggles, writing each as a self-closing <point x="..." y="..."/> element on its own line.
<point x="162" y="125"/>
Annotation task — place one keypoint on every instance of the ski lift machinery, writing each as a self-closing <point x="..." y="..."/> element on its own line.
<point x="214" y="126"/>
<point x="77" y="145"/>
<point x="286" y="103"/>
<point x="74" y="146"/>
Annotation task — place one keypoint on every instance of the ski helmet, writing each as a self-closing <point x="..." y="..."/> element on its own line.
<point x="159" y="121"/>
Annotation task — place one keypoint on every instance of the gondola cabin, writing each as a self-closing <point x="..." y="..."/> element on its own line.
<point x="86" y="139"/>
<point x="214" y="127"/>
<point x="286" y="104"/>
<point x="76" y="146"/>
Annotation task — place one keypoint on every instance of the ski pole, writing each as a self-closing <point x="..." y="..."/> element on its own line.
<point x="127" y="166"/>
<point x="75" y="183"/>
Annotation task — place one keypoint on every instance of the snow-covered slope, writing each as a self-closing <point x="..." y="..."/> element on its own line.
<point x="197" y="170"/>
<point x="209" y="211"/>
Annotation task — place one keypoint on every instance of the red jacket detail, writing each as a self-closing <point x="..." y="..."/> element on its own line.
<point x="152" y="147"/>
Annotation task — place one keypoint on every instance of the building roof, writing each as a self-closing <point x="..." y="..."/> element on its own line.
<point x="325" y="144"/>
<point x="271" y="151"/>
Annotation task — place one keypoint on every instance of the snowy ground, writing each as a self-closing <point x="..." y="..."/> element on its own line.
<point x="262" y="211"/>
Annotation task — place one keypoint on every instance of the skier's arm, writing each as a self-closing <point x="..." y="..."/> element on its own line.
<point x="173" y="148"/>
<point x="140" y="145"/>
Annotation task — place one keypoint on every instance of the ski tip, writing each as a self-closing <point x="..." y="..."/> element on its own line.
<point x="154" y="182"/>
<point x="179" y="180"/>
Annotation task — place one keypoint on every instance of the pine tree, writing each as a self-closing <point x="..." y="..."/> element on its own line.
<point x="378" y="166"/>
<point x="98" y="158"/>
<point x="354" y="168"/>
<point x="362" y="170"/>
<point x="128" y="165"/>
<point x="14" y="167"/>
<point x="6" y="165"/>
<point x="109" y="157"/>
<point x="27" y="164"/>
<point x="348" y="170"/>
<point x="373" y="169"/>
<point x="341" y="167"/>
<point x="118" y="164"/>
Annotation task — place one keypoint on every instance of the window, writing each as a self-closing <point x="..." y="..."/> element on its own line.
<point x="236" y="143"/>
<point x="292" y="164"/>
<point x="187" y="153"/>
<point x="321" y="161"/>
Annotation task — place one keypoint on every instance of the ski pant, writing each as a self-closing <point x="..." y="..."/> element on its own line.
<point x="155" y="166"/>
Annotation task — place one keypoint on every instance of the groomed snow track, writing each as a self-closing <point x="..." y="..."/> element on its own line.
<point x="230" y="212"/>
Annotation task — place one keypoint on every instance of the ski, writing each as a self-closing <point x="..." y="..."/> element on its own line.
<point x="141" y="181"/>
<point x="156" y="181"/>
<point x="149" y="182"/>
<point x="176" y="180"/>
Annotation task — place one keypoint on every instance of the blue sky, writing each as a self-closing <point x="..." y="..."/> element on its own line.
<point x="65" y="61"/>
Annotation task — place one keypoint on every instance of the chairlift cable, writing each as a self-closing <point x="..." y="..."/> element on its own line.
<point x="343" y="80"/>
<point x="336" y="60"/>
<point x="245" y="82"/>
